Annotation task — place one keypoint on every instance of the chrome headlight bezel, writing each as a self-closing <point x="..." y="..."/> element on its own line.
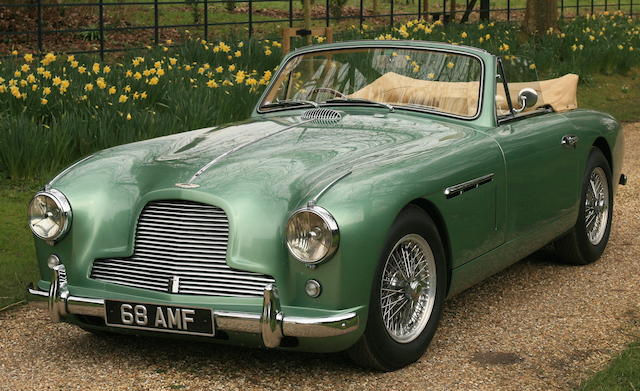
<point x="330" y="224"/>
<point x="62" y="203"/>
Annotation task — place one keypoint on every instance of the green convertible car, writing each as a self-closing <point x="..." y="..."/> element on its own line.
<point x="373" y="180"/>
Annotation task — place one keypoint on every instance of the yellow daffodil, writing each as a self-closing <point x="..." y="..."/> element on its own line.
<point x="17" y="74"/>
<point x="96" y="68"/>
<point x="127" y="88"/>
<point x="238" y="53"/>
<point x="34" y="87"/>
<point x="129" y="117"/>
<point x="56" y="81"/>
<point x="160" y="72"/>
<point x="137" y="76"/>
<point x="450" y="65"/>
<point x="46" y="91"/>
<point x="31" y="78"/>
<point x="28" y="57"/>
<point x="143" y="95"/>
<point x="532" y="66"/>
<point x="101" y="83"/>
<point x="74" y="64"/>
<point x="219" y="69"/>
<point x="464" y="34"/>
<point x="212" y="84"/>
<point x="25" y="68"/>
<point x="267" y="52"/>
<point x="232" y="68"/>
<point x="112" y="90"/>
<point x="43" y="101"/>
<point x="240" y="76"/>
<point x="122" y="99"/>
<point x="153" y="81"/>
<point x="82" y="70"/>
<point x="106" y="69"/>
<point x="172" y="61"/>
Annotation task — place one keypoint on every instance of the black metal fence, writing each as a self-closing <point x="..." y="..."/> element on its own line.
<point x="101" y="20"/>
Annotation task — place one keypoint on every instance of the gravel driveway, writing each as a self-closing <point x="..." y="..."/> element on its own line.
<point x="538" y="325"/>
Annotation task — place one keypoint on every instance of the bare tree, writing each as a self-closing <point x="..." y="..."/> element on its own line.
<point x="540" y="16"/>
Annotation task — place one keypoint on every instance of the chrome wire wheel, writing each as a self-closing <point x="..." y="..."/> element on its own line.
<point x="596" y="206"/>
<point x="408" y="288"/>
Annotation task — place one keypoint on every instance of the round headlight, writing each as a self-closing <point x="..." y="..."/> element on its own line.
<point x="312" y="235"/>
<point x="49" y="215"/>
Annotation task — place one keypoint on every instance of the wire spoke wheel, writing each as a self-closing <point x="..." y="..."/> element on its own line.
<point x="596" y="206"/>
<point x="408" y="289"/>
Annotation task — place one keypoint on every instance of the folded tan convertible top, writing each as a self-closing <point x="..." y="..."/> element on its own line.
<point x="462" y="97"/>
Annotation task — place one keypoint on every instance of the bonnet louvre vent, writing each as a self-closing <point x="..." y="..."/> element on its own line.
<point x="322" y="116"/>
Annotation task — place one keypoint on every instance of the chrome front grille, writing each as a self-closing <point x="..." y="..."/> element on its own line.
<point x="181" y="247"/>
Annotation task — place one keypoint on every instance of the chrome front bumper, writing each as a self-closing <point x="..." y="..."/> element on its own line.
<point x="272" y="324"/>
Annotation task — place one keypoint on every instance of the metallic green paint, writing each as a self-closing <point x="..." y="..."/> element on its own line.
<point x="395" y="159"/>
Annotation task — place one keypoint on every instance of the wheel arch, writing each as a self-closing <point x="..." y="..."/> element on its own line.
<point x="602" y="144"/>
<point x="433" y="212"/>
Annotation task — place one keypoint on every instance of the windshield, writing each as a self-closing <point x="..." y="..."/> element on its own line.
<point x="411" y="78"/>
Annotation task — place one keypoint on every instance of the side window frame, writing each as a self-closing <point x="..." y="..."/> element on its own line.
<point x="501" y="74"/>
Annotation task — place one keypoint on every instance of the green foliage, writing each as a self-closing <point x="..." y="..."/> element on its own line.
<point x="58" y="109"/>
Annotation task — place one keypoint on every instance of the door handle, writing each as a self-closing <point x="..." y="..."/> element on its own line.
<point x="569" y="140"/>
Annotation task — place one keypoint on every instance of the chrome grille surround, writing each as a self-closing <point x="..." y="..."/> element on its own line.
<point x="183" y="239"/>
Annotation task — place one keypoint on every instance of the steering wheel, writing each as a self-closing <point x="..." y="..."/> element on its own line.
<point x="335" y="93"/>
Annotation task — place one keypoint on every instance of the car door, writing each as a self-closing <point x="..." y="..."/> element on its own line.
<point x="542" y="178"/>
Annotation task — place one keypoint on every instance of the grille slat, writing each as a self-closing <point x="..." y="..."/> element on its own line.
<point x="181" y="239"/>
<point x="187" y="274"/>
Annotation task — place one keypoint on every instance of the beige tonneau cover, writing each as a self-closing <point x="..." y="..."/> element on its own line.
<point x="461" y="98"/>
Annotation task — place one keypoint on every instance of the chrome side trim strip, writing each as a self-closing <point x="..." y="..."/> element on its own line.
<point x="315" y="199"/>
<point x="456" y="190"/>
<point x="241" y="146"/>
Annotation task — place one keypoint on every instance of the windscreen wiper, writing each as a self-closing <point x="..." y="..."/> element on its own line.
<point x="361" y="101"/>
<point x="292" y="102"/>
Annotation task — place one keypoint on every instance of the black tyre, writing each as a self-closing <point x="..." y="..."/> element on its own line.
<point x="587" y="240"/>
<point x="408" y="291"/>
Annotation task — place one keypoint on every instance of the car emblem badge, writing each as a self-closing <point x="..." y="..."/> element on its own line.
<point x="187" y="185"/>
<point x="174" y="284"/>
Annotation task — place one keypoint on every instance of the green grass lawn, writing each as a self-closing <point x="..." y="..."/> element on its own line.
<point x="623" y="373"/>
<point x="17" y="255"/>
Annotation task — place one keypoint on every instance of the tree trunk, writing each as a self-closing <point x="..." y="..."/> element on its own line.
<point x="425" y="10"/>
<point x="540" y="16"/>
<point x="452" y="18"/>
<point x="306" y="8"/>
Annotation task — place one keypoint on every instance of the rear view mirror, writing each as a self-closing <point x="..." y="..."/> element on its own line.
<point x="528" y="97"/>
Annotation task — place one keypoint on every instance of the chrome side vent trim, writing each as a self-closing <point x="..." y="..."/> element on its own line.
<point x="322" y="116"/>
<point x="181" y="248"/>
<point x="456" y="190"/>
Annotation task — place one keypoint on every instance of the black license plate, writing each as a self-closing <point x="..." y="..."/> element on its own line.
<point x="157" y="317"/>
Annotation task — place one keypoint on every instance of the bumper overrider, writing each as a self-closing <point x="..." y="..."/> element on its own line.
<point x="272" y="324"/>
